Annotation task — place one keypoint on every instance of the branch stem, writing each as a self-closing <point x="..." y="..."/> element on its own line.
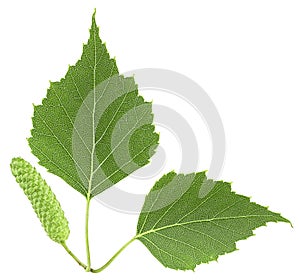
<point x="87" y="244"/>
<point x="72" y="255"/>
<point x="113" y="257"/>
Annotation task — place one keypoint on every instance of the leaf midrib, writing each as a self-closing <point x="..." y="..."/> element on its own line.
<point x="93" y="112"/>
<point x="199" y="221"/>
<point x="93" y="120"/>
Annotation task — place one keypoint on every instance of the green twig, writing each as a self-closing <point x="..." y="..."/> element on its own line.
<point x="113" y="257"/>
<point x="73" y="256"/>
<point x="87" y="244"/>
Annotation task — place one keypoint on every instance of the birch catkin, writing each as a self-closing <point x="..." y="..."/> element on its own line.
<point x="42" y="199"/>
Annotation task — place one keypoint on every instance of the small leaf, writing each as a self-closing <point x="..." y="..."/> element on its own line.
<point x="93" y="129"/>
<point x="42" y="199"/>
<point x="183" y="224"/>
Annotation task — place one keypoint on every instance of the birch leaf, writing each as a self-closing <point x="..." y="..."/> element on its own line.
<point x="93" y="129"/>
<point x="187" y="220"/>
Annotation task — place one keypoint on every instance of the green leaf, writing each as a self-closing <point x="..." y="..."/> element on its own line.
<point x="93" y="129"/>
<point x="187" y="220"/>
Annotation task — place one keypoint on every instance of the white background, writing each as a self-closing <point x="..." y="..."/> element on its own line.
<point x="246" y="56"/>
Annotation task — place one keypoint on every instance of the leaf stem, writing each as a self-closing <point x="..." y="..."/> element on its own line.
<point x="72" y="255"/>
<point x="113" y="257"/>
<point x="87" y="244"/>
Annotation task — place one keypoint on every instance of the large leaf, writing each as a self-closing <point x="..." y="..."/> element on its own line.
<point x="93" y="129"/>
<point x="188" y="220"/>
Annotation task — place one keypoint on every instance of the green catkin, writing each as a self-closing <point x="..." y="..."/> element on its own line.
<point x="42" y="199"/>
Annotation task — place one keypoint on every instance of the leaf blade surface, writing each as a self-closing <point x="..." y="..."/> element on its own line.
<point x="192" y="228"/>
<point x="85" y="116"/>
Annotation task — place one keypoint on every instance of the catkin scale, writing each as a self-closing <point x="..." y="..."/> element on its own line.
<point x="42" y="199"/>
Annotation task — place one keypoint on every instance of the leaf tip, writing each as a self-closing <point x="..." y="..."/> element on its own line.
<point x="94" y="24"/>
<point x="94" y="18"/>
<point x="286" y="221"/>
